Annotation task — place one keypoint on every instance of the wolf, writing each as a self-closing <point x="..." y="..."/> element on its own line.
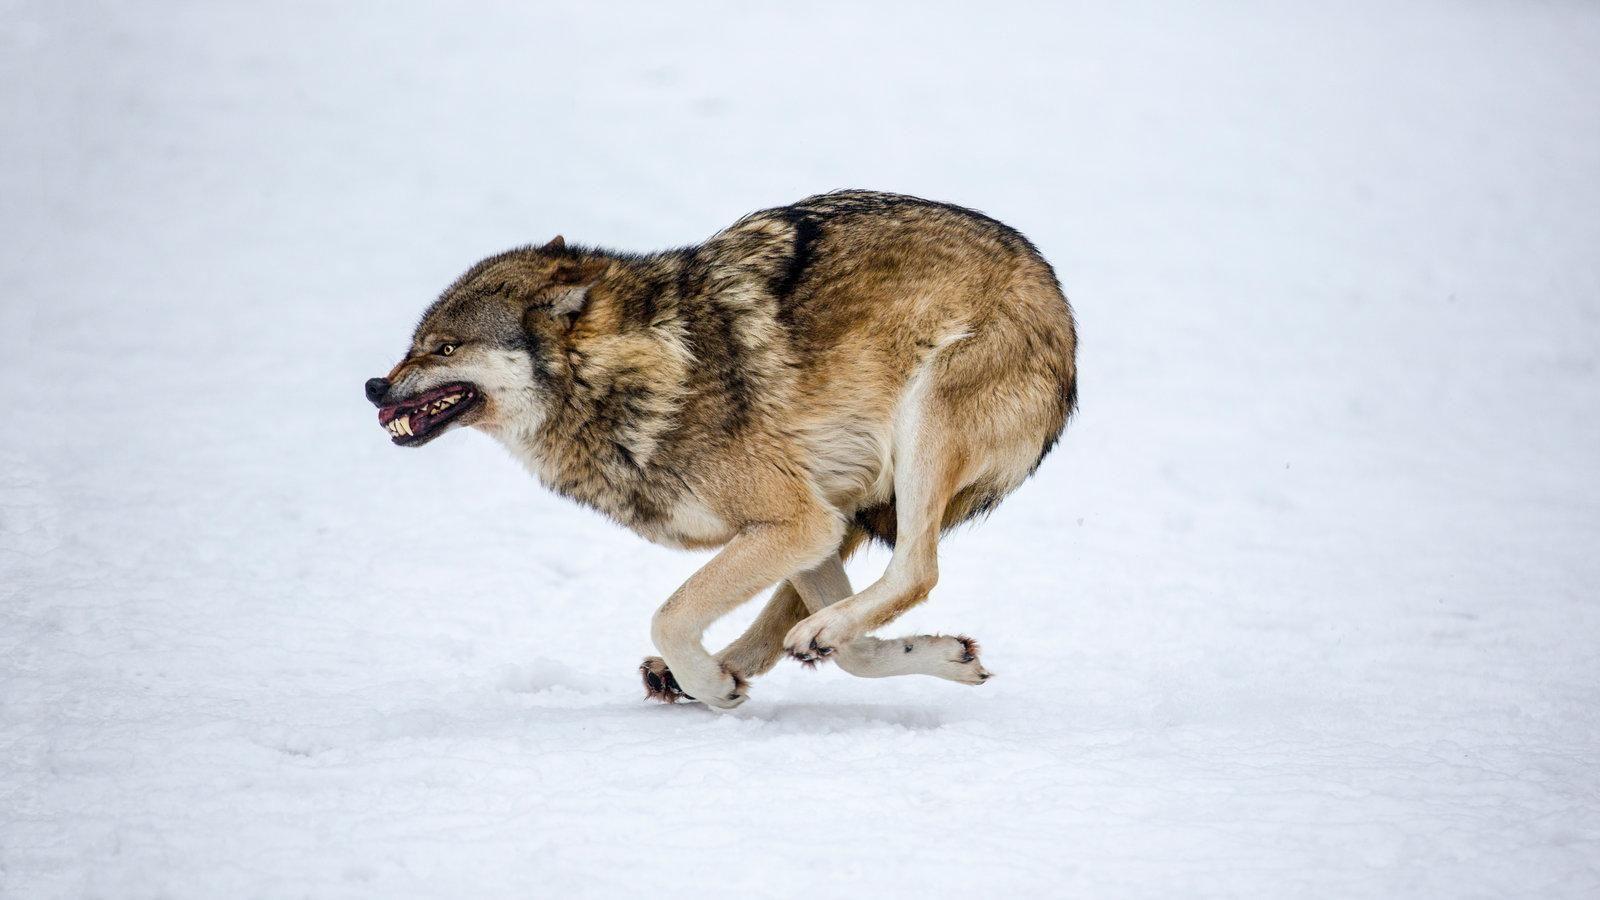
<point x="856" y="366"/>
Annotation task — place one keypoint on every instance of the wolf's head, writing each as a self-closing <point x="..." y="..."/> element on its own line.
<point x="479" y="352"/>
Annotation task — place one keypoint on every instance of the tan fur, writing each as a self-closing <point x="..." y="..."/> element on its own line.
<point x="855" y="365"/>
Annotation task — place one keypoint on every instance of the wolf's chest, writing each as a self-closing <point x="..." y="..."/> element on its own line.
<point x="662" y="513"/>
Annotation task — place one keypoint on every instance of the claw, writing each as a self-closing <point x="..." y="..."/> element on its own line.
<point x="808" y="658"/>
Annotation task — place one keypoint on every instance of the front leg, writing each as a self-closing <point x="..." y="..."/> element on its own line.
<point x="750" y="655"/>
<point x="758" y="556"/>
<point x="761" y="646"/>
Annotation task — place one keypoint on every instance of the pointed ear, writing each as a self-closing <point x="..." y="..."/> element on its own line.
<point x="564" y="309"/>
<point x="556" y="245"/>
<point x="570" y="303"/>
<point x="576" y="277"/>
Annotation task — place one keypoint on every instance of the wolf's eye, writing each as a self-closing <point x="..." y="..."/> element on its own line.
<point x="446" y="349"/>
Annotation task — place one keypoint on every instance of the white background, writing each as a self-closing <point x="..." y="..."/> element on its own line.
<point x="1305" y="604"/>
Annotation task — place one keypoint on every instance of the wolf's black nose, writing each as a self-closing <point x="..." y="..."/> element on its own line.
<point x="376" y="388"/>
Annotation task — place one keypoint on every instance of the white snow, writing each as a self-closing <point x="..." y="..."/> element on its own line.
<point x="1307" y="603"/>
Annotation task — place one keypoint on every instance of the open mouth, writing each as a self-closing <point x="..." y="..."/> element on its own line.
<point x="419" y="419"/>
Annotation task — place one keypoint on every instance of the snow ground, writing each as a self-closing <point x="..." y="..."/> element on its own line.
<point x="1304" y="605"/>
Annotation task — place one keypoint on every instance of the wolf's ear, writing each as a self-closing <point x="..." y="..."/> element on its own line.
<point x="569" y="304"/>
<point x="557" y="244"/>
<point x="574" y="276"/>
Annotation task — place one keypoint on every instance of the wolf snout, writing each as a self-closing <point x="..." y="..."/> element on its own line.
<point x="377" y="388"/>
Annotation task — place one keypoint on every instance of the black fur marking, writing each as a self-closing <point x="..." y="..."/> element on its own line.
<point x="640" y="307"/>
<point x="878" y="522"/>
<point x="688" y="283"/>
<point x="722" y="355"/>
<point x="807" y="232"/>
<point x="532" y="346"/>
<point x="719" y="372"/>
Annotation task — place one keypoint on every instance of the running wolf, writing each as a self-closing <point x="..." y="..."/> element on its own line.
<point x="856" y="366"/>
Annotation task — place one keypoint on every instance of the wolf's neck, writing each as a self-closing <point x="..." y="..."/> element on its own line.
<point x="616" y="397"/>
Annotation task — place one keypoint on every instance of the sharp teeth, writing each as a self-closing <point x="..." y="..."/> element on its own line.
<point x="405" y="425"/>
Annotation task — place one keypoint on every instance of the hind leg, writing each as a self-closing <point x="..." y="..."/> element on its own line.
<point x="942" y="656"/>
<point x="930" y="468"/>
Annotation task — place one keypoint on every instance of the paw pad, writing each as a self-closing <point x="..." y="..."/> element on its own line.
<point x="659" y="683"/>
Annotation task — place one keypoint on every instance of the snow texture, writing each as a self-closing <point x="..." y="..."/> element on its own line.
<point x="1307" y="602"/>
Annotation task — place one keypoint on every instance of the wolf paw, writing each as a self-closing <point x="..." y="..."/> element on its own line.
<point x="658" y="681"/>
<point x="660" y="684"/>
<point x="964" y="665"/>
<point x="733" y="691"/>
<point x="816" y="638"/>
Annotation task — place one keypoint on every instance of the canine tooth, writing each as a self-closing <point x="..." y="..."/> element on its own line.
<point x="405" y="424"/>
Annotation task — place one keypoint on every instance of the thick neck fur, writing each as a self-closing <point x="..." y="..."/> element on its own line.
<point x="611" y="393"/>
<point x="674" y="356"/>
